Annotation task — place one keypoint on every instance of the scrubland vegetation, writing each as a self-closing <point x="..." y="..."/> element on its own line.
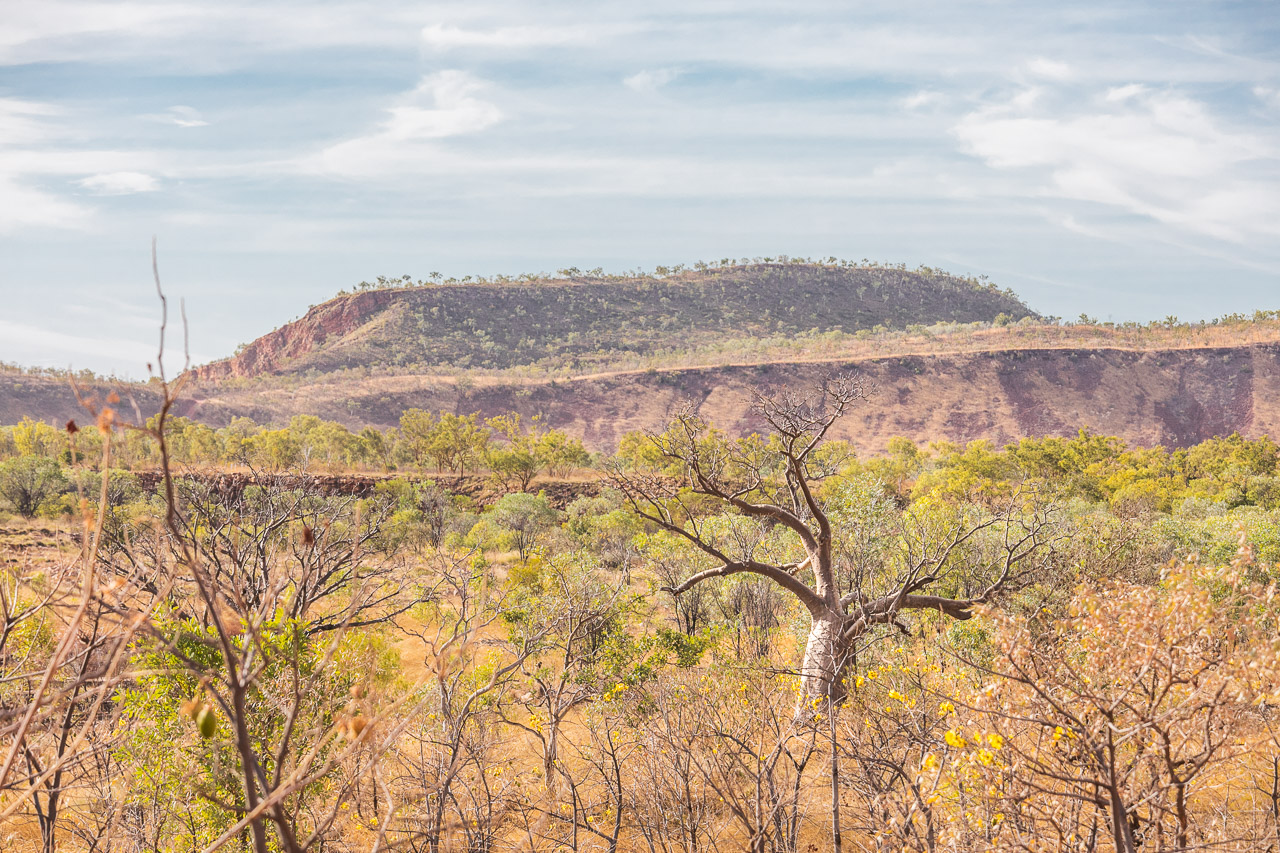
<point x="755" y="643"/>
<point x="508" y="450"/>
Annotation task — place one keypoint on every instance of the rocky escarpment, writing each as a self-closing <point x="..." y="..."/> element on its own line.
<point x="1174" y="397"/>
<point x="482" y="491"/>
<point x="323" y="324"/>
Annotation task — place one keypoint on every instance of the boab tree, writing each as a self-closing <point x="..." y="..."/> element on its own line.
<point x="772" y="487"/>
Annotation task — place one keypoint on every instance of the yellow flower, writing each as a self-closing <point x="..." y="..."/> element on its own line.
<point x="954" y="740"/>
<point x="947" y="708"/>
<point x="995" y="741"/>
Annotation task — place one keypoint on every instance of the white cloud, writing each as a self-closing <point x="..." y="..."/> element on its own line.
<point x="25" y="126"/>
<point x="1118" y="94"/>
<point x="1156" y="154"/>
<point x="120" y="183"/>
<point x="443" y="105"/>
<point x="25" y="206"/>
<point x="1070" y="223"/>
<point x="1026" y="99"/>
<point x="180" y="115"/>
<point x="923" y="98"/>
<point x="24" y="122"/>
<point x="1050" y="69"/>
<point x="647" y="82"/>
<point x="446" y="36"/>
<point x="195" y="35"/>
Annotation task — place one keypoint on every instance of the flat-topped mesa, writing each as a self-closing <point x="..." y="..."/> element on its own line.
<point x="558" y="321"/>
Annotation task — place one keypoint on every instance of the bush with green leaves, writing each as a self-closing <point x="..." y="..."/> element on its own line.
<point x="517" y="522"/>
<point x="29" y="483"/>
<point x="178" y="744"/>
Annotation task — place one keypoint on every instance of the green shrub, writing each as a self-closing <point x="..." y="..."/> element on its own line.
<point x="30" y="482"/>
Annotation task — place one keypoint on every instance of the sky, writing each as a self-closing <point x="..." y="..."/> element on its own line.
<point x="1120" y="159"/>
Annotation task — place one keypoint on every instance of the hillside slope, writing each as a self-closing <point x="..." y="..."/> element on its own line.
<point x="52" y="399"/>
<point x="583" y="323"/>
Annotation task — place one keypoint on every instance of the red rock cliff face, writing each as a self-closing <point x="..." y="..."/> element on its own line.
<point x="269" y="353"/>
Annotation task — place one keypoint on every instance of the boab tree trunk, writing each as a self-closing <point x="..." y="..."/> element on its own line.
<point x="827" y="656"/>
<point x="773" y="484"/>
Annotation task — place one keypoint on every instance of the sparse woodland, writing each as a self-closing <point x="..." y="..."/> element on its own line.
<point x="725" y="643"/>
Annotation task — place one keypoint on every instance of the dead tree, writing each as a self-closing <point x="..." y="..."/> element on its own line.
<point x="774" y="484"/>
